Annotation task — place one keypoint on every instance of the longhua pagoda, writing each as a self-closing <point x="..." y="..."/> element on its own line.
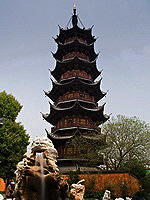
<point x="75" y="93"/>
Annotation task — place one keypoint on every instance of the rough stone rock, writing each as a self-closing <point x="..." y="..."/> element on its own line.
<point x="37" y="178"/>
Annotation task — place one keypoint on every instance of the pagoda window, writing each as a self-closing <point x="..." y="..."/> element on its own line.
<point x="74" y="120"/>
<point x="70" y="121"/>
<point x="82" y="121"/>
<point x="66" y="96"/>
<point x="78" y="95"/>
<point x="65" y="121"/>
<point x="86" y="96"/>
<point x="70" y="96"/>
<point x="81" y="95"/>
<point x="78" y="121"/>
<point x="74" y="94"/>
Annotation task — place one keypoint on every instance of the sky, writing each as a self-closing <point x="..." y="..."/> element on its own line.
<point x="123" y="32"/>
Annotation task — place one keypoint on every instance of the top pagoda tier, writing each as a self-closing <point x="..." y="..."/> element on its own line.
<point x="83" y="35"/>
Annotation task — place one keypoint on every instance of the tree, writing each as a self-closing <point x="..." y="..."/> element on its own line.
<point x="135" y="167"/>
<point x="9" y="106"/>
<point x="13" y="137"/>
<point x="87" y="145"/>
<point x="145" y="182"/>
<point x="126" y="137"/>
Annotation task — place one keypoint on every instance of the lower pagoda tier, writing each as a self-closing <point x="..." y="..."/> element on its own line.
<point x="60" y="140"/>
<point x="70" y="155"/>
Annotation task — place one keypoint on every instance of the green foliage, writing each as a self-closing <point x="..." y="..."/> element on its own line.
<point x="94" y="195"/>
<point x="99" y="194"/>
<point x="88" y="146"/>
<point x="13" y="137"/>
<point x="73" y="177"/>
<point x="9" y="106"/>
<point x="126" y="137"/>
<point x="145" y="182"/>
<point x="134" y="166"/>
<point x="142" y="195"/>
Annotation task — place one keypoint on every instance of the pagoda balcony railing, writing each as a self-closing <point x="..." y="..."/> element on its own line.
<point x="75" y="73"/>
<point x="75" y="54"/>
<point x="75" y="97"/>
<point x="71" y="125"/>
<point x="71" y="39"/>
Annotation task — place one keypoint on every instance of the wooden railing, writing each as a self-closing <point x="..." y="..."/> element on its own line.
<point x="74" y="122"/>
<point x="75" y="95"/>
<point x="75" y="54"/>
<point x="75" y="73"/>
<point x="75" y="38"/>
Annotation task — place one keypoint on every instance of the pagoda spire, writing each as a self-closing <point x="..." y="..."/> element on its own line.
<point x="75" y="93"/>
<point x="74" y="17"/>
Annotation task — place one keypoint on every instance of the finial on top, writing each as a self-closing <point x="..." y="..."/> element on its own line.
<point x="74" y="9"/>
<point x="74" y="17"/>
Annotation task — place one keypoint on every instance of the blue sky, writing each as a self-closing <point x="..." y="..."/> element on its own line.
<point x="123" y="28"/>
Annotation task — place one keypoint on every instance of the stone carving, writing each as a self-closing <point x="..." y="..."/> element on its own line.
<point x="106" y="195"/>
<point x="77" y="191"/>
<point x="37" y="175"/>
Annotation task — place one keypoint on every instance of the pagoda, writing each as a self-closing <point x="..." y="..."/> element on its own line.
<point x="75" y="93"/>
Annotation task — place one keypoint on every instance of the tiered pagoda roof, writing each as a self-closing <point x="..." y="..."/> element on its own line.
<point x="75" y="31"/>
<point x="75" y="46"/>
<point x="75" y="63"/>
<point x="75" y="93"/>
<point x="96" y="114"/>
<point x="75" y="84"/>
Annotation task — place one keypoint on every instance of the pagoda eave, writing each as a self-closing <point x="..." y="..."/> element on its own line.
<point x="75" y="63"/>
<point x="74" y="31"/>
<point x="72" y="101"/>
<point x="74" y="43"/>
<point x="62" y="51"/>
<point x="76" y="84"/>
<point x="96" y="114"/>
<point x="73" y="129"/>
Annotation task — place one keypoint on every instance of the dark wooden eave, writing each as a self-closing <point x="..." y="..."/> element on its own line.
<point x="75" y="63"/>
<point x="60" y="137"/>
<point x="70" y="102"/>
<point x="75" y="84"/>
<point x="75" y="32"/>
<point x="75" y="46"/>
<point x="96" y="114"/>
<point x="75" y="42"/>
<point x="61" y="132"/>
